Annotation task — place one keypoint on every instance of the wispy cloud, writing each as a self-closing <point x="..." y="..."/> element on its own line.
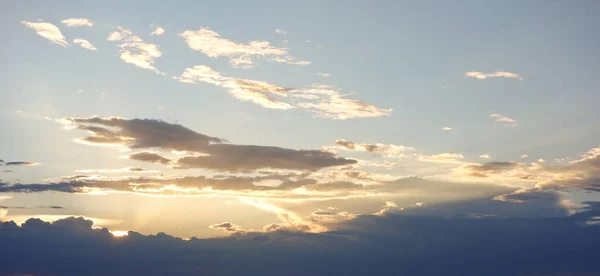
<point x="485" y="156"/>
<point x="158" y="31"/>
<point x="446" y="128"/>
<point x="85" y="44"/>
<point x="77" y="22"/>
<point x="388" y="150"/>
<point x="443" y="157"/>
<point x="240" y="55"/>
<point x="325" y="101"/>
<point x="324" y="74"/>
<point x="499" y="118"/>
<point x="21" y="163"/>
<point x="135" y="51"/>
<point x="280" y="31"/>
<point x="497" y="74"/>
<point x="48" y="31"/>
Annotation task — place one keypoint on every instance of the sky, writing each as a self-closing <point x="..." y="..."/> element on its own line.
<point x="338" y="124"/>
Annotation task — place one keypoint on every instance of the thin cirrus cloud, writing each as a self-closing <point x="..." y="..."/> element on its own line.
<point x="77" y="22"/>
<point x="388" y="150"/>
<point x="325" y="101"/>
<point x="21" y="163"/>
<point x="240" y="55"/>
<point x="497" y="74"/>
<point x="85" y="44"/>
<point x="135" y="51"/>
<point x="48" y="31"/>
<point x="213" y="153"/>
<point x="443" y="157"/>
<point x="499" y="118"/>
<point x="158" y="31"/>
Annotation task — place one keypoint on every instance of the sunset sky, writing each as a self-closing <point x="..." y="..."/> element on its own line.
<point x="212" y="119"/>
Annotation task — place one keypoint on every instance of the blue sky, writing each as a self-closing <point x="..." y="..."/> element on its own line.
<point x="302" y="117"/>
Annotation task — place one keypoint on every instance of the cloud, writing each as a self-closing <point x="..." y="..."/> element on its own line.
<point x="149" y="157"/>
<point x="158" y="31"/>
<point x="481" y="76"/>
<point x="390" y="206"/>
<point x="214" y="153"/>
<point x="77" y="22"/>
<point x="21" y="163"/>
<point x="240" y="55"/>
<point x="388" y="150"/>
<point x="135" y="51"/>
<point x="48" y="31"/>
<point x="485" y="156"/>
<point x="226" y="226"/>
<point x="323" y="100"/>
<point x="524" y="156"/>
<point x="443" y="157"/>
<point x="85" y="44"/>
<point x="258" y="92"/>
<point x="499" y="118"/>
<point x="280" y="31"/>
<point x="324" y="74"/>
<point x="446" y="128"/>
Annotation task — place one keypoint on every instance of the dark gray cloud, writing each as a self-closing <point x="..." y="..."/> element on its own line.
<point x="227" y="157"/>
<point x="492" y="167"/>
<point x="226" y="226"/>
<point x="216" y="155"/>
<point x="20" y="163"/>
<point x="149" y="157"/>
<point x="404" y="245"/>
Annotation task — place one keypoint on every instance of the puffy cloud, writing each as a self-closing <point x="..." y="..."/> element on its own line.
<point x="240" y="55"/>
<point x="85" y="44"/>
<point x="135" y="51"/>
<point x="158" y="31"/>
<point x="226" y="226"/>
<point x="77" y="22"/>
<point x="388" y="150"/>
<point x="323" y="100"/>
<point x="48" y="31"/>
<point x="390" y="206"/>
<point x="497" y="74"/>
<point x="524" y="156"/>
<point x="499" y="118"/>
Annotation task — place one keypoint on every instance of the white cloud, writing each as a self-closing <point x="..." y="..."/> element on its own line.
<point x="280" y="31"/>
<point x="443" y="157"/>
<point x="158" y="31"/>
<point x="77" y="22"/>
<point x="324" y="74"/>
<point x="85" y="44"/>
<point x="446" y="128"/>
<point x="524" y="156"/>
<point x="499" y="118"/>
<point x="135" y="51"/>
<point x="48" y="31"/>
<point x="485" y="156"/>
<point x="388" y="150"/>
<point x="240" y="55"/>
<point x="325" y="101"/>
<point x="481" y="75"/>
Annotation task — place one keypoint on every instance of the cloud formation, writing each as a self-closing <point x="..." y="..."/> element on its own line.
<point x="85" y="44"/>
<point x="497" y="74"/>
<point x="135" y="51"/>
<point x="388" y="150"/>
<point x="240" y="55"/>
<point x="214" y="154"/>
<point x="499" y="118"/>
<point x="325" y="101"/>
<point x="21" y="163"/>
<point x="48" y="31"/>
<point x="77" y="22"/>
<point x="158" y="31"/>
<point x="226" y="226"/>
